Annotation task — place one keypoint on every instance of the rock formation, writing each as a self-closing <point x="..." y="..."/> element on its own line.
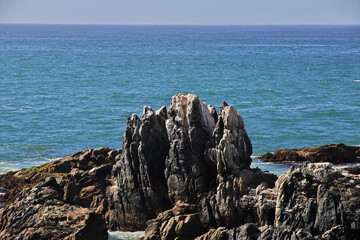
<point x="313" y="201"/>
<point x="186" y="153"/>
<point x="183" y="173"/>
<point x="64" y="199"/>
<point x="333" y="153"/>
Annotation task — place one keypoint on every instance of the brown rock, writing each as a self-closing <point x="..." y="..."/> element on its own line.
<point x="333" y="153"/>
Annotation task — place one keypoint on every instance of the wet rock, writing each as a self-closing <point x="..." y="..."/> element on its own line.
<point x="334" y="153"/>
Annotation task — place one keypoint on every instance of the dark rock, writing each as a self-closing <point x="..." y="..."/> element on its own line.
<point x="40" y="213"/>
<point x="139" y="191"/>
<point x="246" y="232"/>
<point x="189" y="128"/>
<point x="15" y="182"/>
<point x="174" y="155"/>
<point x="353" y="170"/>
<point x="184" y="173"/>
<point x="334" y="153"/>
<point x="316" y="198"/>
<point x="38" y="207"/>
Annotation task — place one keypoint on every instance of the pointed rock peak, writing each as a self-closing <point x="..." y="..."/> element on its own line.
<point x="223" y="105"/>
<point x="134" y="117"/>
<point x="147" y="112"/>
<point x="162" y="112"/>
<point x="213" y="112"/>
<point x="188" y="109"/>
<point x="232" y="119"/>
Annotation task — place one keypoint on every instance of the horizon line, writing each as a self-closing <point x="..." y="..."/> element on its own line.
<point x="178" y="24"/>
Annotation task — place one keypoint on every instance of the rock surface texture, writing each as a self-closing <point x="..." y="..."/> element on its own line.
<point x="183" y="173"/>
<point x="64" y="199"/>
<point x="333" y="153"/>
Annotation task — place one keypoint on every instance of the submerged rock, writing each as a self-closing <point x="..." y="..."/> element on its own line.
<point x="333" y="153"/>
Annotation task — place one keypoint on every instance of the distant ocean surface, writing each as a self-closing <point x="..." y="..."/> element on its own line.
<point x="66" y="88"/>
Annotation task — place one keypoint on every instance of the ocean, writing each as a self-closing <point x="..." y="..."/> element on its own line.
<point x="66" y="88"/>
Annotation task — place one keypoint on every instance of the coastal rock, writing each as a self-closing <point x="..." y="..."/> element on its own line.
<point x="313" y="201"/>
<point x="40" y="213"/>
<point x="85" y="160"/>
<point x="183" y="173"/>
<point x="139" y="191"/>
<point x="232" y="147"/>
<point x="234" y="201"/>
<point x="171" y="155"/>
<point x="189" y="127"/>
<point x="64" y="199"/>
<point x="333" y="153"/>
<point x="316" y="198"/>
<point x="180" y="222"/>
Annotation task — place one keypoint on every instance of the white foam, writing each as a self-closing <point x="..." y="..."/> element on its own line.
<point x="356" y="80"/>
<point x="118" y="235"/>
<point x="342" y="166"/>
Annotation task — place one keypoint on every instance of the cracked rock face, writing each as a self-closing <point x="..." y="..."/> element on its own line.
<point x="140" y="191"/>
<point x="40" y="213"/>
<point x="175" y="154"/>
<point x="232" y="147"/>
<point x="189" y="128"/>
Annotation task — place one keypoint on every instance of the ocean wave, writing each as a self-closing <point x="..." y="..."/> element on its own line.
<point x="342" y="166"/>
<point x="118" y="235"/>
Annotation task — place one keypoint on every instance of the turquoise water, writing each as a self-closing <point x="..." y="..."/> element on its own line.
<point x="68" y="88"/>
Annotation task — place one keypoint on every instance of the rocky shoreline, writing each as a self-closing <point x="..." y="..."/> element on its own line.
<point x="183" y="173"/>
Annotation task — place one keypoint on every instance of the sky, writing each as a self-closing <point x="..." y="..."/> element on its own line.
<point x="186" y="12"/>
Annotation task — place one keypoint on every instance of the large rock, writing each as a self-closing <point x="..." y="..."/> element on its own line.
<point x="40" y="213"/>
<point x="183" y="173"/>
<point x="317" y="199"/>
<point x="176" y="154"/>
<point x="64" y="199"/>
<point x="189" y="127"/>
<point x="231" y="148"/>
<point x="334" y="153"/>
<point x="139" y="191"/>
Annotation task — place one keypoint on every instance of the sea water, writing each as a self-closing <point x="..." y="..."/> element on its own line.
<point x="66" y="88"/>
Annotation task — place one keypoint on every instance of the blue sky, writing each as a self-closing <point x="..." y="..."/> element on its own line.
<point x="180" y="11"/>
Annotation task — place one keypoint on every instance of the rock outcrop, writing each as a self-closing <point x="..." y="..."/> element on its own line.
<point x="183" y="173"/>
<point x="313" y="201"/>
<point x="64" y="199"/>
<point x="333" y="153"/>
<point x="41" y="213"/>
<point x="139" y="191"/>
<point x="181" y="154"/>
